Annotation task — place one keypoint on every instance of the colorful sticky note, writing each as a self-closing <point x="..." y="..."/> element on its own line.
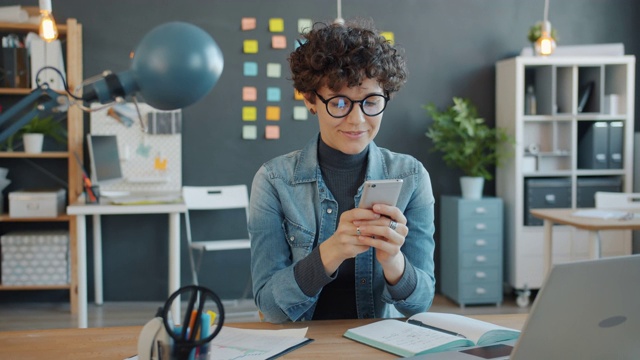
<point x="273" y="113"/>
<point x="249" y="113"/>
<point x="272" y="132"/>
<point x="389" y="36"/>
<point x="279" y="42"/>
<point x="273" y="94"/>
<point x="300" y="113"/>
<point x="297" y="95"/>
<point x="248" y="23"/>
<point x="276" y="25"/>
<point x="250" y="68"/>
<point x="249" y="132"/>
<point x="249" y="93"/>
<point x="250" y="46"/>
<point x="304" y="25"/>
<point x="274" y="70"/>
<point x="298" y="42"/>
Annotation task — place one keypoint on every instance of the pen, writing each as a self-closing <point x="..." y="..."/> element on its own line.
<point x="419" y="323"/>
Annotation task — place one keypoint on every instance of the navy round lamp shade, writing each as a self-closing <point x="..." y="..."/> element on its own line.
<point x="175" y="65"/>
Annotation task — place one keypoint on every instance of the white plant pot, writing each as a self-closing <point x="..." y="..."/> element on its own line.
<point x="471" y="187"/>
<point x="33" y="143"/>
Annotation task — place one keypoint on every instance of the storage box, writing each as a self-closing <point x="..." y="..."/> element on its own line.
<point x="37" y="203"/>
<point x="588" y="186"/>
<point x="543" y="193"/>
<point x="35" y="258"/>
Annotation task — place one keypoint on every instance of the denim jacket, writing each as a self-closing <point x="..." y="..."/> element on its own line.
<point x="291" y="206"/>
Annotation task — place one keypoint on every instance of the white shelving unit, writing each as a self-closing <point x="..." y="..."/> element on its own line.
<point x="555" y="133"/>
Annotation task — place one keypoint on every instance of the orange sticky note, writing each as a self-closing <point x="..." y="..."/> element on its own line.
<point x="273" y="113"/>
<point x="276" y="25"/>
<point x="248" y="23"/>
<point x="278" y="42"/>
<point x="272" y="132"/>
<point x="249" y="113"/>
<point x="249" y="93"/>
<point x="297" y="95"/>
<point x="250" y="46"/>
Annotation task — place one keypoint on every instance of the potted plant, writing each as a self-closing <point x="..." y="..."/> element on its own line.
<point x="467" y="143"/>
<point x="33" y="134"/>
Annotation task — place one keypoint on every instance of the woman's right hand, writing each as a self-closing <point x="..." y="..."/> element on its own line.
<point x="344" y="244"/>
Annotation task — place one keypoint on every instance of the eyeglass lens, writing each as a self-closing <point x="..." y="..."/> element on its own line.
<point x="340" y="106"/>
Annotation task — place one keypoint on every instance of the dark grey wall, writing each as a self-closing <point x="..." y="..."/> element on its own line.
<point x="451" y="46"/>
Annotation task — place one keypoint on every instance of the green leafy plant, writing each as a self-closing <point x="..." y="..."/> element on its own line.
<point x="47" y="126"/>
<point x="465" y="139"/>
<point x="535" y="31"/>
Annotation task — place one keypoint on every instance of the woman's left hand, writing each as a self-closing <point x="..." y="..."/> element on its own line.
<point x="386" y="235"/>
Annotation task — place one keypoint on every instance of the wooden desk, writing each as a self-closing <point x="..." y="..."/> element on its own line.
<point x="121" y="342"/>
<point x="81" y="210"/>
<point x="593" y="225"/>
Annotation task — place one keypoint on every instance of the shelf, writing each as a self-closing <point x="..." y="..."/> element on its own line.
<point x="42" y="155"/>
<point x="10" y="26"/>
<point x="15" y="91"/>
<point x="61" y="218"/>
<point x="35" y="287"/>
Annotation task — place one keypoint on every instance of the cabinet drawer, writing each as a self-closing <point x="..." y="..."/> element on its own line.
<point x="481" y="209"/>
<point x="481" y="258"/>
<point x="487" y="225"/>
<point x="480" y="276"/>
<point x="480" y="242"/>
<point x="481" y="293"/>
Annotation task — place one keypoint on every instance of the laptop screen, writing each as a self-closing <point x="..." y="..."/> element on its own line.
<point x="104" y="158"/>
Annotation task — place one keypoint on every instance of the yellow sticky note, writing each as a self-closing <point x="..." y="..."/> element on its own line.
<point x="276" y="25"/>
<point x="278" y="42"/>
<point x="250" y="46"/>
<point x="389" y="36"/>
<point x="248" y="23"/>
<point x="273" y="113"/>
<point x="249" y="113"/>
<point x="249" y="93"/>
<point x="272" y="132"/>
<point x="297" y="95"/>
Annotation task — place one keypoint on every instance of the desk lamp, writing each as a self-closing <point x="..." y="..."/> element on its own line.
<point x="175" y="65"/>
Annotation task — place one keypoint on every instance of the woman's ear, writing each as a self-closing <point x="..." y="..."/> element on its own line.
<point x="309" y="104"/>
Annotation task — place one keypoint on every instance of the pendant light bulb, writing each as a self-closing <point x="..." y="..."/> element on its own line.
<point x="545" y="45"/>
<point x="47" y="30"/>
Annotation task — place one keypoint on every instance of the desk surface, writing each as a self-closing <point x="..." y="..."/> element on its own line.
<point x="121" y="342"/>
<point x="80" y="208"/>
<point x="566" y="217"/>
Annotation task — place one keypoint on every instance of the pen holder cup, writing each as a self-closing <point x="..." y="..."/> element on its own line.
<point x="92" y="194"/>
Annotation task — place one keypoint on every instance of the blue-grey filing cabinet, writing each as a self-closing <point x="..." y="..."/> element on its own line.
<point x="471" y="253"/>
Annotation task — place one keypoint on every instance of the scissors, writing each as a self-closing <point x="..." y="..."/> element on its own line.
<point x="187" y="338"/>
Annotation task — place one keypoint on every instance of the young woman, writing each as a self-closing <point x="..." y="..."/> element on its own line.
<point x="314" y="254"/>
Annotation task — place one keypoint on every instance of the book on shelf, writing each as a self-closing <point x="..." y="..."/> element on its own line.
<point x="429" y="332"/>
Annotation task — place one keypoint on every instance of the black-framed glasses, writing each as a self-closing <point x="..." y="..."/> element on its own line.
<point x="340" y="106"/>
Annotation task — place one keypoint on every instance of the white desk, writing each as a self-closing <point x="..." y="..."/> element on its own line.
<point x="81" y="210"/>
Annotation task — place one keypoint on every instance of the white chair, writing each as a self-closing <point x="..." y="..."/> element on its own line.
<point x="208" y="198"/>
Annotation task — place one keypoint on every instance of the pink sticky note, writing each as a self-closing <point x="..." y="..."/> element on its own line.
<point x="272" y="132"/>
<point x="279" y="42"/>
<point x="248" y="23"/>
<point x="249" y="93"/>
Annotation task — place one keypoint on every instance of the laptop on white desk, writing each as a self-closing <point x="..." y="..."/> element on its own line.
<point x="585" y="310"/>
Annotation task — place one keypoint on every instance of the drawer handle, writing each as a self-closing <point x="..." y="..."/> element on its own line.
<point x="481" y="210"/>
<point x="481" y="258"/>
<point x="481" y="226"/>
<point x="481" y="242"/>
<point x="481" y="274"/>
<point x="481" y="291"/>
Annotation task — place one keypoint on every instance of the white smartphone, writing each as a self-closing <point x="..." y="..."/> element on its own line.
<point x="380" y="192"/>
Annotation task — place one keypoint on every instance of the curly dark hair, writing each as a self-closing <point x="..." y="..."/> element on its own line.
<point x="339" y="55"/>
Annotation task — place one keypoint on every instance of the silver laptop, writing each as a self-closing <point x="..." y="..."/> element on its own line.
<point x="585" y="310"/>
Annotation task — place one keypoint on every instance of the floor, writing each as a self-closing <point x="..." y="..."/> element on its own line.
<point x="28" y="316"/>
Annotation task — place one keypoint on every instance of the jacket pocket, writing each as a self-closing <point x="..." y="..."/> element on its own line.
<point x="300" y="240"/>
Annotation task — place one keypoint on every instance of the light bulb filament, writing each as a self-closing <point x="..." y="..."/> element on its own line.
<point x="48" y="29"/>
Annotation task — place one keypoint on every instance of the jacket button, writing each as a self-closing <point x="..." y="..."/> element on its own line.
<point x="363" y="281"/>
<point x="329" y="211"/>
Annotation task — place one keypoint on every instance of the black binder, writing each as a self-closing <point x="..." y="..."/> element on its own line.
<point x="616" y="139"/>
<point x="15" y="68"/>
<point x="593" y="145"/>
